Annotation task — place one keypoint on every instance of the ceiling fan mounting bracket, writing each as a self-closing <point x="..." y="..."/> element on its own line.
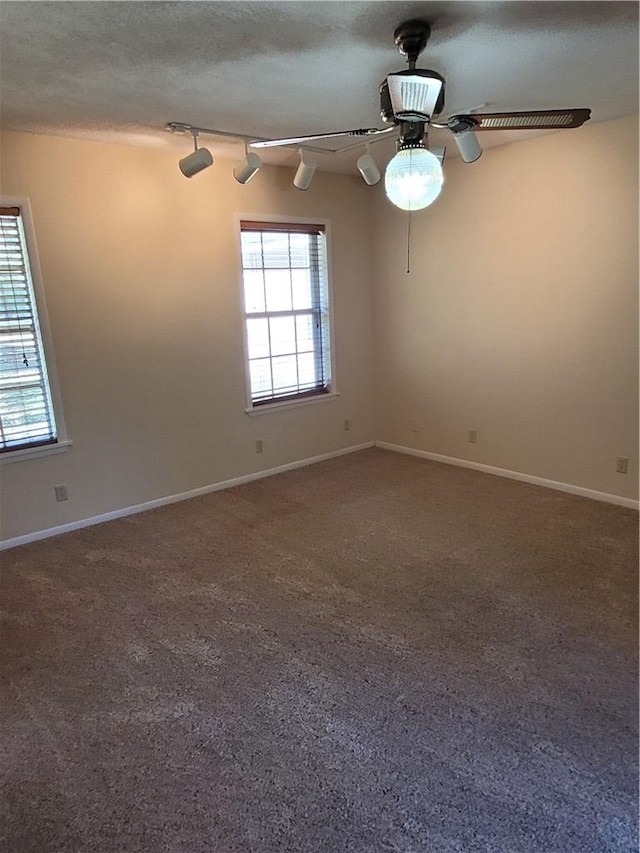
<point x="411" y="37"/>
<point x="460" y="124"/>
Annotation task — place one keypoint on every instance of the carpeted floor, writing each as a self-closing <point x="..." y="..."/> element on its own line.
<point x="376" y="653"/>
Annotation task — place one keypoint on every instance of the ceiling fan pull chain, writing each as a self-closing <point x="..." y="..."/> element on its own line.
<point x="409" y="244"/>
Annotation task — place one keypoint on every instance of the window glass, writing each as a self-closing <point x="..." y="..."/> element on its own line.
<point x="286" y="298"/>
<point x="26" y="410"/>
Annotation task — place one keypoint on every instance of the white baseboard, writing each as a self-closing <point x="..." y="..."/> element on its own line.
<point x="170" y="499"/>
<point x="512" y="475"/>
<point x="301" y="463"/>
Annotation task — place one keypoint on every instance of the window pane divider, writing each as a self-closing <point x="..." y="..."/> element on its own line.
<point x="296" y="312"/>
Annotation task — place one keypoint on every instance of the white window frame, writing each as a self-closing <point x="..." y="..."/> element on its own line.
<point x="280" y="405"/>
<point x="63" y="443"/>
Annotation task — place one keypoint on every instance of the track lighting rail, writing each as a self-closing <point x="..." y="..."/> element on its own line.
<point x="182" y="127"/>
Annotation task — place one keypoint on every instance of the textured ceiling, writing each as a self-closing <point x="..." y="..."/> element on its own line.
<point x="118" y="71"/>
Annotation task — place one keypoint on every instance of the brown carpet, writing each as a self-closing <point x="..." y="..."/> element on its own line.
<point x="375" y="653"/>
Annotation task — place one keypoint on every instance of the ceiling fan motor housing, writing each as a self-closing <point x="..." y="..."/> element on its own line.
<point x="411" y="95"/>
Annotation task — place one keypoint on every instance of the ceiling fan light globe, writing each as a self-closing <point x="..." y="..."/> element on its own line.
<point x="413" y="179"/>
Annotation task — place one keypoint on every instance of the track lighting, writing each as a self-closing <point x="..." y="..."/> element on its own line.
<point x="244" y="171"/>
<point x="413" y="178"/>
<point x="304" y="174"/>
<point x="465" y="138"/>
<point x="367" y="168"/>
<point x="199" y="159"/>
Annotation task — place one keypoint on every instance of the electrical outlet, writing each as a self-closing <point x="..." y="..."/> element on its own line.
<point x="347" y="425"/>
<point x="259" y="446"/>
<point x="62" y="493"/>
<point x="622" y="464"/>
<point x="473" y="436"/>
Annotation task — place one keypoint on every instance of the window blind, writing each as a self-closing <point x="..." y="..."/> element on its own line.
<point x="26" y="411"/>
<point x="286" y="310"/>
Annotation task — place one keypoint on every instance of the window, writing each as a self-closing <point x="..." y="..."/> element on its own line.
<point x="26" y="410"/>
<point x="286" y="299"/>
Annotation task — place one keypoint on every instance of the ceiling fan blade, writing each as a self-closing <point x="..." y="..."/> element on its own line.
<point x="301" y="140"/>
<point x="526" y="120"/>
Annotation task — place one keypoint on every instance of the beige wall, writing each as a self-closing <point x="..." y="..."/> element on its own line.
<point x="140" y="272"/>
<point x="519" y="318"/>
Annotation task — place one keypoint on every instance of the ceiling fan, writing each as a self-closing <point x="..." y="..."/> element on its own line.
<point x="409" y="101"/>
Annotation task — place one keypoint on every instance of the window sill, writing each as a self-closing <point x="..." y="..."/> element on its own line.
<point x="34" y="452"/>
<point x="291" y="404"/>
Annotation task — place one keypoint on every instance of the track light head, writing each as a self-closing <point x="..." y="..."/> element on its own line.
<point x="465" y="139"/>
<point x="199" y="159"/>
<point x="249" y="167"/>
<point x="195" y="162"/>
<point x="304" y="174"/>
<point x="368" y="169"/>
